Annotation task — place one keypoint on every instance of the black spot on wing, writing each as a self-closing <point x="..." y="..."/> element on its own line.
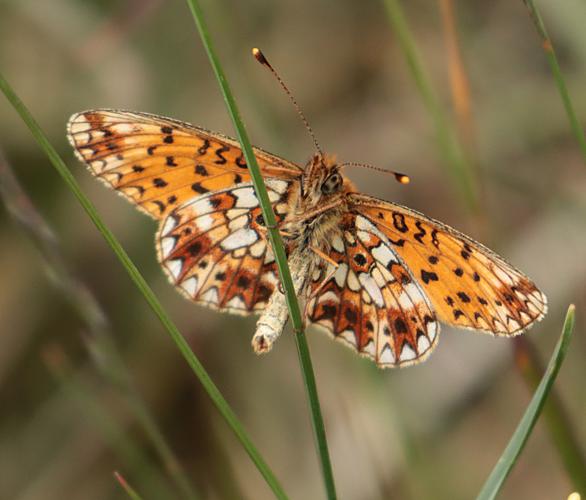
<point x="400" y="326"/>
<point x="198" y="188"/>
<point x="219" y="154"/>
<point x="202" y="150"/>
<point x="201" y="170"/>
<point x="399" y="222"/>
<point x="428" y="276"/>
<point x="421" y="233"/>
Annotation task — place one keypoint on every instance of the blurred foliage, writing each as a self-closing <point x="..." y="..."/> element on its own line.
<point x="431" y="431"/>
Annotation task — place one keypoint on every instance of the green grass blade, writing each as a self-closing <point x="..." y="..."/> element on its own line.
<point x="278" y="249"/>
<point x="557" y="74"/>
<point x="209" y="386"/>
<point x="555" y="416"/>
<point x="454" y="157"/>
<point x="130" y="491"/>
<point x="509" y="457"/>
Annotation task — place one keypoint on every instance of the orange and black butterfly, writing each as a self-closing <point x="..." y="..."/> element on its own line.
<point x="374" y="274"/>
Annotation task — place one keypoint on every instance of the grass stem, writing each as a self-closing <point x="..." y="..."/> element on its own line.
<point x="554" y="65"/>
<point x="453" y="155"/>
<point x="279" y="251"/>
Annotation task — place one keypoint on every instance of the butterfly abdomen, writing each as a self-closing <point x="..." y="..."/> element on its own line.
<point x="274" y="318"/>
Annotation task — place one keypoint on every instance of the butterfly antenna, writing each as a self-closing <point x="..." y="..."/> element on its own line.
<point x="260" y="57"/>
<point x="399" y="177"/>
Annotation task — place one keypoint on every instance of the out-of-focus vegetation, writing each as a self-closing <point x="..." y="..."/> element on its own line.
<point x="69" y="315"/>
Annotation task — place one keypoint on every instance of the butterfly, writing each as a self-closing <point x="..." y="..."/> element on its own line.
<point x="376" y="275"/>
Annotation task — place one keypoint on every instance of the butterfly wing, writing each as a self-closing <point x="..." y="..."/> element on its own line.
<point x="371" y="301"/>
<point x="468" y="284"/>
<point x="214" y="248"/>
<point x="158" y="163"/>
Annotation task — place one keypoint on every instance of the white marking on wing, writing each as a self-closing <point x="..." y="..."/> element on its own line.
<point x="167" y="246"/>
<point x="174" y="267"/>
<point x="353" y="283"/>
<point x="79" y="125"/>
<point x="340" y="276"/>
<point x="338" y="244"/>
<point x="211" y="295"/>
<point x="236" y="302"/>
<point x="245" y="198"/>
<point x="384" y="255"/>
<point x="190" y="285"/>
<point x="405" y="301"/>
<point x="204" y="222"/>
<point x="379" y="278"/>
<point x="407" y="353"/>
<point x="348" y="335"/>
<point x="241" y="238"/>
<point x="200" y="206"/>
<point x="123" y="128"/>
<point x="238" y="223"/>
<point x="258" y="249"/>
<point x="369" y="284"/>
<point x="503" y="276"/>
<point x="432" y="330"/>
<point x="422" y="344"/>
<point x="277" y="185"/>
<point x="329" y="296"/>
<point x="369" y="348"/>
<point x="387" y="357"/>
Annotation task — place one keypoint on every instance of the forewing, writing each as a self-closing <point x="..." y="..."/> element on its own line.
<point x="372" y="302"/>
<point x="214" y="247"/>
<point x="468" y="284"/>
<point x="158" y="163"/>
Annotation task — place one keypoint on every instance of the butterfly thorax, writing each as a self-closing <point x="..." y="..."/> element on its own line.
<point x="320" y="205"/>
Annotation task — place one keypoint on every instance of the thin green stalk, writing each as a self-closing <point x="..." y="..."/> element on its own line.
<point x="555" y="417"/>
<point x="509" y="457"/>
<point x="454" y="157"/>
<point x="557" y="74"/>
<point x="130" y="491"/>
<point x="209" y="386"/>
<point x="278" y="249"/>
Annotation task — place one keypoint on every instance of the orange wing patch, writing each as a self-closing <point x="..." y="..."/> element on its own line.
<point x="371" y="302"/>
<point x="159" y="163"/>
<point x="214" y="249"/>
<point x="468" y="285"/>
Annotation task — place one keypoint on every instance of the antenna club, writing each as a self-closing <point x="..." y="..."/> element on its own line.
<point x="260" y="57"/>
<point x="399" y="177"/>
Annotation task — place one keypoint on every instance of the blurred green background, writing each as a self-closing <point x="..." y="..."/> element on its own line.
<point x="79" y="347"/>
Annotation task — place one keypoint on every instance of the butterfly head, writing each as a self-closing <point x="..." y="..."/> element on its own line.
<point x="322" y="178"/>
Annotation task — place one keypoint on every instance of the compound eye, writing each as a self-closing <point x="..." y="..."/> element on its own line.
<point x="332" y="184"/>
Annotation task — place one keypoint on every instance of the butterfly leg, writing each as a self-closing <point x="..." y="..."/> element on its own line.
<point x="313" y="213"/>
<point x="265" y="229"/>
